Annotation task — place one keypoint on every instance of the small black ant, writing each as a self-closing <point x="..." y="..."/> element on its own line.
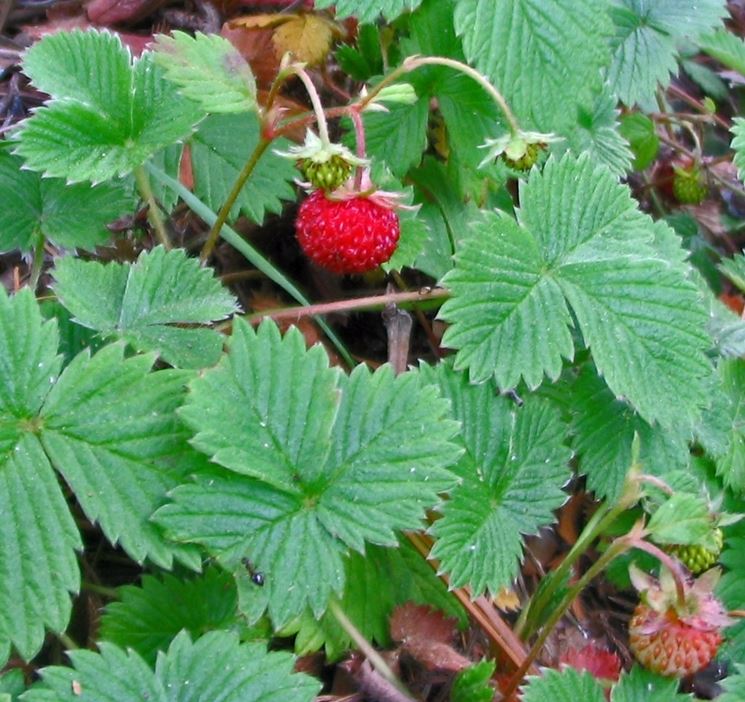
<point x="257" y="577"/>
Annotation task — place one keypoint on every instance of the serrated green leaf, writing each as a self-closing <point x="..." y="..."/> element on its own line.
<point x="70" y="216"/>
<point x="645" y="45"/>
<point x="499" y="293"/>
<point x="641" y="134"/>
<point x="604" y="429"/>
<point x="641" y="685"/>
<point x="569" y="685"/>
<point x="598" y="133"/>
<point x="512" y="476"/>
<point x="738" y="145"/>
<point x="472" y="684"/>
<point x="364" y="60"/>
<point x="220" y="149"/>
<point x="399" y="136"/>
<point x="731" y="590"/>
<point x="725" y="47"/>
<point x="730" y="462"/>
<point x="314" y="462"/>
<point x="106" y="116"/>
<point x="706" y="79"/>
<point x="147" y="618"/>
<point x="561" y="46"/>
<point x="580" y="240"/>
<point x="364" y="11"/>
<point x="38" y="537"/>
<point x="216" y="667"/>
<point x="734" y="269"/>
<point x="682" y="519"/>
<point x="12" y="684"/>
<point x="139" y="302"/>
<point x="110" y="429"/>
<point x="208" y="69"/>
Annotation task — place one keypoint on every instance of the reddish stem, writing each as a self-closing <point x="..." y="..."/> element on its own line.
<point x="359" y="134"/>
<point x="668" y="561"/>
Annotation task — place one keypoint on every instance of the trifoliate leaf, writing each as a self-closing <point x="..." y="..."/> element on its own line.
<point x="645" y="45"/>
<point x="142" y="303"/>
<point x="216" y="667"/>
<point x="604" y="428"/>
<point x="38" y="537"/>
<point x="312" y="463"/>
<point x="682" y="519"/>
<point x="580" y="241"/>
<point x="68" y="215"/>
<point x="641" y="685"/>
<point x="208" y="70"/>
<point x="512" y="474"/>
<point x="108" y="426"/>
<point x="365" y="11"/>
<point x="641" y="134"/>
<point x="220" y="149"/>
<point x="569" y="685"/>
<point x="561" y="46"/>
<point x="725" y="47"/>
<point x="147" y="618"/>
<point x="106" y="116"/>
<point x="472" y="684"/>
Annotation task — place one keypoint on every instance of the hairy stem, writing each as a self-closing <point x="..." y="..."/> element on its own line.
<point x="415" y="62"/>
<point x="615" y="549"/>
<point x="359" y="303"/>
<point x="153" y="211"/>
<point x="366" y="647"/>
<point x="38" y="263"/>
<point x="359" y="133"/>
<point x="240" y="181"/>
<point x="315" y="100"/>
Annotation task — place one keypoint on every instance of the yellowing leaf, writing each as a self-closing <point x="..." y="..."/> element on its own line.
<point x="307" y="37"/>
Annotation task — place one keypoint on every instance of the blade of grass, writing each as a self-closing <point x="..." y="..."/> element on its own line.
<point x="249" y="253"/>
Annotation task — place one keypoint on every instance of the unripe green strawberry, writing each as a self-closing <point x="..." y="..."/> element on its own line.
<point x="527" y="160"/>
<point x="327" y="175"/>
<point x="689" y="186"/>
<point x="697" y="558"/>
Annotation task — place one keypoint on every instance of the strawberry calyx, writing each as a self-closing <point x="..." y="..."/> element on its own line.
<point x="519" y="150"/>
<point x="324" y="164"/>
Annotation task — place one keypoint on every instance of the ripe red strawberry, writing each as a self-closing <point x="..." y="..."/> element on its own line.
<point x="673" y="638"/>
<point x="350" y="235"/>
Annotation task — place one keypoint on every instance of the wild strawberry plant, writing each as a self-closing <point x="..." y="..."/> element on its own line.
<point x="271" y="487"/>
